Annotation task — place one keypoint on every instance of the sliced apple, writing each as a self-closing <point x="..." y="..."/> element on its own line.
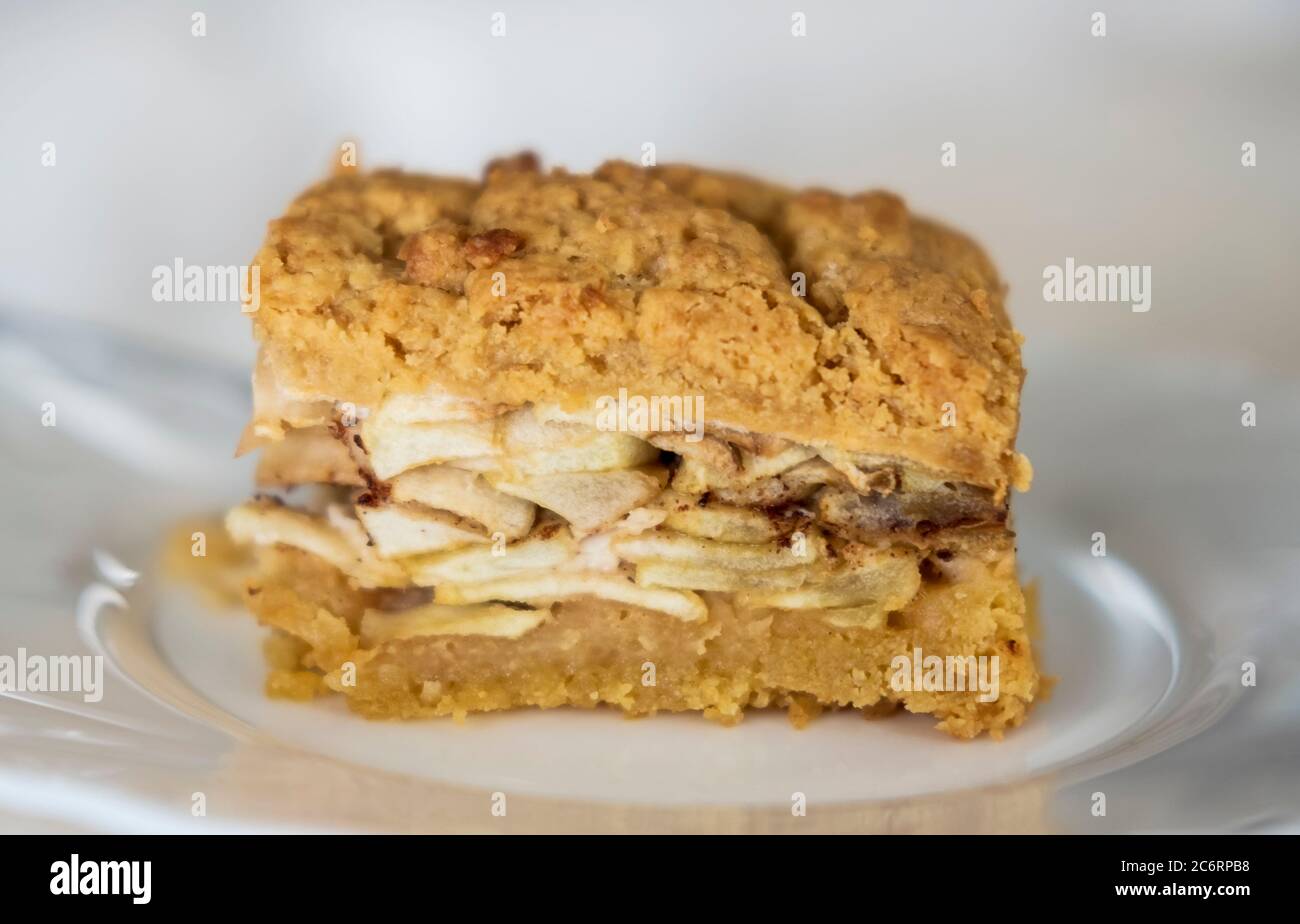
<point x="755" y="465"/>
<point x="695" y="476"/>
<point x="692" y="577"/>
<point x="722" y="522"/>
<point x="788" y="487"/>
<point x="435" y="406"/>
<point x="267" y="523"/>
<point x="708" y="451"/>
<point x="399" y="530"/>
<point x="663" y="545"/>
<point x="595" y="552"/>
<point x="589" y="501"/>
<point x="477" y="464"/>
<point x="310" y="455"/>
<point x="872" y="616"/>
<point x="525" y="431"/>
<point x="467" y="495"/>
<point x="862" y="516"/>
<point x="763" y="444"/>
<point x="604" y="452"/>
<point x="885" y="580"/>
<point x="485" y="563"/>
<point x="538" y="447"/>
<point x="394" y="447"/>
<point x="495" y="620"/>
<point x="865" y="474"/>
<point x="586" y="415"/>
<point x="682" y="604"/>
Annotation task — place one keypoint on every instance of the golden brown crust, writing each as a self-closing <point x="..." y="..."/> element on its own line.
<point x="668" y="281"/>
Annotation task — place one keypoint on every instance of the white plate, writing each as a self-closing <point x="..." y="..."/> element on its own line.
<point x="1147" y="644"/>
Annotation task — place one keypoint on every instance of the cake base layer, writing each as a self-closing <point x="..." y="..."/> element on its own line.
<point x="959" y="651"/>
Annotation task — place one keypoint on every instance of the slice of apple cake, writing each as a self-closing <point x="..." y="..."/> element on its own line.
<point x="661" y="438"/>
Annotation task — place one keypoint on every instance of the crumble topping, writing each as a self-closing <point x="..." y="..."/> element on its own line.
<point x="664" y="281"/>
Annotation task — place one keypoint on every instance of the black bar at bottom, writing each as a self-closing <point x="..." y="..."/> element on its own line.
<point x="328" y="876"/>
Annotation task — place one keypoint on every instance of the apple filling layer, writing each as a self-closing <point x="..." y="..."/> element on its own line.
<point x="487" y="506"/>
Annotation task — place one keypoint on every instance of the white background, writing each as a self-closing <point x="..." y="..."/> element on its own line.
<point x="1122" y="149"/>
